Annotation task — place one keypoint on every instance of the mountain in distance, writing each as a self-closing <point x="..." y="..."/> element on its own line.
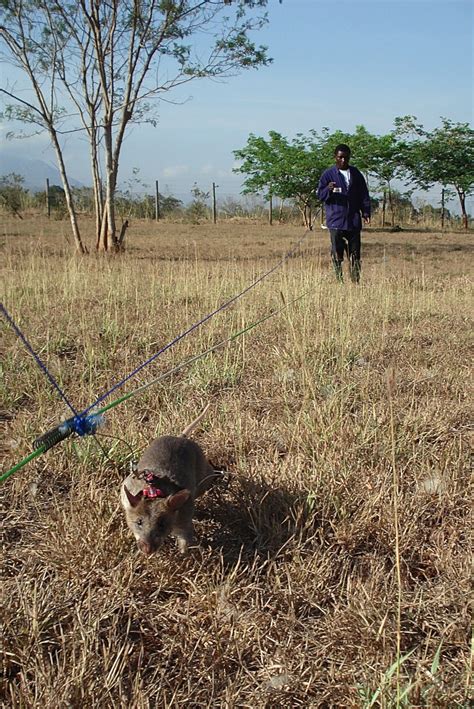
<point x="35" y="172"/>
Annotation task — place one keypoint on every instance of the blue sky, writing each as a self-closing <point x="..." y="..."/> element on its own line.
<point x="337" y="63"/>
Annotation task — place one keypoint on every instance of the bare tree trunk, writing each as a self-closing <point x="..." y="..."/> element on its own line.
<point x="110" y="207"/>
<point x="109" y="187"/>
<point x="462" y="201"/>
<point x="98" y="209"/>
<point x="390" y="202"/>
<point x="102" y="241"/>
<point x="303" y="207"/>
<point x="121" y="237"/>
<point x="384" y="207"/>
<point x="280" y="213"/>
<point x="112" y="153"/>
<point x="68" y="194"/>
<point x="97" y="187"/>
<point x="111" y="227"/>
<point x="108" y="237"/>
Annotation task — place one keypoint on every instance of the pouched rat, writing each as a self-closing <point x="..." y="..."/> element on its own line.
<point x="158" y="498"/>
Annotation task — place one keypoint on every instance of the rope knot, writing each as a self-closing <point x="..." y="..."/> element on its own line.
<point x="86" y="425"/>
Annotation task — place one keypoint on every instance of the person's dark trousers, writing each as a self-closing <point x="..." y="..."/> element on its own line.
<point x="343" y="240"/>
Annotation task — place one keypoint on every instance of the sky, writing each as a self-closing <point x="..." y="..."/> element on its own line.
<point x="336" y="63"/>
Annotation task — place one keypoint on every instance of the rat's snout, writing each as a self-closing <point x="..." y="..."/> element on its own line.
<point x="150" y="544"/>
<point x="145" y="547"/>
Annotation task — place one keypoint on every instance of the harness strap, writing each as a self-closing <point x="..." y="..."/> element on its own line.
<point x="151" y="490"/>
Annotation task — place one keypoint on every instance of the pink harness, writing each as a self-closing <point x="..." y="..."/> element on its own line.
<point x="151" y="490"/>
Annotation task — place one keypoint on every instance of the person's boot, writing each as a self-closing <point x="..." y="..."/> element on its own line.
<point x="338" y="269"/>
<point x="355" y="270"/>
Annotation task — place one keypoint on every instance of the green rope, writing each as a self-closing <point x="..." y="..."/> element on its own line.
<point x="23" y="462"/>
<point x="41" y="449"/>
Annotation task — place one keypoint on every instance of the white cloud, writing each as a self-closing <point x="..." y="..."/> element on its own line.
<point x="176" y="170"/>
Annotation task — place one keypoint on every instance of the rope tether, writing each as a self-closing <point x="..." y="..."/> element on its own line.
<point x="83" y="424"/>
<point x="39" y="362"/>
<point x="55" y="435"/>
<point x="195" y="326"/>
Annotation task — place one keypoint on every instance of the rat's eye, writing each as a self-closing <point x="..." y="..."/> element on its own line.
<point x="139" y="522"/>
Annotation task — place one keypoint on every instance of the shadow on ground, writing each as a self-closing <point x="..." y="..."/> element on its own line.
<point x="243" y="518"/>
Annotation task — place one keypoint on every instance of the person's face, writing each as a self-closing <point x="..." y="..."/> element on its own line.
<point x="342" y="159"/>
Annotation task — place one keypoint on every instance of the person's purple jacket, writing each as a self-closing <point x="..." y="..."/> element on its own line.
<point x="343" y="209"/>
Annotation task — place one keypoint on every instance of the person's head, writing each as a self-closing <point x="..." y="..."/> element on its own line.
<point x="342" y="155"/>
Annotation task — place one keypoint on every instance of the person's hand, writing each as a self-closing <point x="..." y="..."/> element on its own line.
<point x="366" y="220"/>
<point x="331" y="186"/>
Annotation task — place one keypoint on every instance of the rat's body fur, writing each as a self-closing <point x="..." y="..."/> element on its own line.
<point x="183" y="474"/>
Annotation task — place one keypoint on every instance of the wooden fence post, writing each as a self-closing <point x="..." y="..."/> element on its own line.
<point x="157" y="202"/>
<point x="48" y="199"/>
<point x="214" y="207"/>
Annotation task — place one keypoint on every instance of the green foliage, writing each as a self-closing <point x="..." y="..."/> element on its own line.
<point x="443" y="156"/>
<point x="170" y="205"/>
<point x="291" y="169"/>
<point x="12" y="193"/>
<point x="144" y="206"/>
<point x="135" y="202"/>
<point x="84" y="198"/>
<point x="283" y="168"/>
<point x="402" y="697"/>
<point x="57" y="202"/>
<point x="57" y="197"/>
<point x="198" y="208"/>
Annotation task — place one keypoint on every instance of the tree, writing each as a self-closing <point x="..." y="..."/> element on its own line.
<point x="169" y="204"/>
<point x="386" y="164"/>
<point x="283" y="168"/>
<point x="12" y="193"/>
<point x="361" y="143"/>
<point x="443" y="156"/>
<point x="107" y="60"/>
<point x="293" y="169"/>
<point x="198" y="208"/>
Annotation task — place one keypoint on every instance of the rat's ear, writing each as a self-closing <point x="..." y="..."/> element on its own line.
<point x="174" y="502"/>
<point x="133" y="499"/>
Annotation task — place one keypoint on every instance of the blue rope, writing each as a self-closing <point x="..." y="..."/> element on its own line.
<point x="37" y="358"/>
<point x="195" y="326"/>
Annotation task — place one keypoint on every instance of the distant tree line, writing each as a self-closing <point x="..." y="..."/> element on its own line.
<point x="290" y="169"/>
<point x="15" y="199"/>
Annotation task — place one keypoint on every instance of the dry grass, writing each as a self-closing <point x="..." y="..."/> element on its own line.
<point x="292" y="598"/>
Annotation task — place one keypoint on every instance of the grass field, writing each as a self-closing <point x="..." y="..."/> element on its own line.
<point x="333" y="567"/>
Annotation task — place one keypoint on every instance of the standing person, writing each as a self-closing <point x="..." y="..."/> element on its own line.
<point x="344" y="192"/>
